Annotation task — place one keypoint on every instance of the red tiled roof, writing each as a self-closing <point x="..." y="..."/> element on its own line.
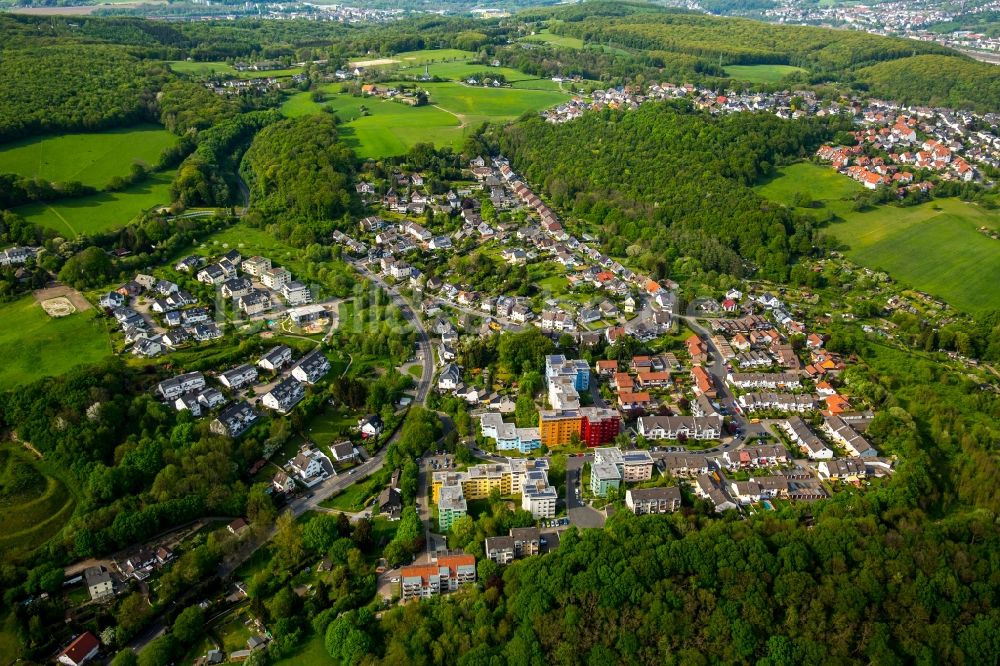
<point x="81" y="646"/>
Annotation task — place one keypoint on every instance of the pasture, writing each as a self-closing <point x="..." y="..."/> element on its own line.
<point x="545" y="37"/>
<point x="92" y="158"/>
<point x="376" y="128"/>
<point x="934" y="247"/>
<point x="37" y="345"/>
<point x="427" y="56"/>
<point x="761" y="73"/>
<point x="102" y="211"/>
<point x="225" y="69"/>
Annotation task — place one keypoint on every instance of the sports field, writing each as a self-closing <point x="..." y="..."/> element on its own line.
<point x="102" y="211"/>
<point x="379" y="128"/>
<point x="92" y="158"/>
<point x="761" y="73"/>
<point x="36" y="345"/>
<point x="934" y="247"/>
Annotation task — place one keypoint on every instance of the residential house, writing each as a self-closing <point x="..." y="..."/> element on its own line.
<point x="236" y="287"/>
<point x="99" y="583"/>
<point x="343" y="451"/>
<point x="446" y="573"/>
<point x="641" y="501"/>
<point x="810" y="444"/>
<point x="370" y="426"/>
<point x="276" y="358"/>
<point x="312" y="367"/>
<point x="296" y="293"/>
<point x="500" y="549"/>
<point x="83" y="648"/>
<point x="234" y="420"/>
<point x="275" y="278"/>
<point x="284" y="396"/>
<point x="450" y="377"/>
<point x="175" y="386"/>
<point x="680" y="427"/>
<point x="311" y="466"/>
<point x="239" y="377"/>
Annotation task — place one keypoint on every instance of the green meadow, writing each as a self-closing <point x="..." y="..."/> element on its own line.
<point x="34" y="515"/>
<point x="36" y="345"/>
<point x="761" y="73"/>
<point x="92" y="158"/>
<point x="426" y="56"/>
<point x="934" y="247"/>
<point x="102" y="211"/>
<point x="379" y="128"/>
<point x="545" y="37"/>
<point x="222" y="68"/>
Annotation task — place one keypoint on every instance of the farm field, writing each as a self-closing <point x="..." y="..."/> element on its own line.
<point x="427" y="56"/>
<point x="102" y="211"/>
<point x="761" y="73"/>
<point x="545" y="37"/>
<point x="92" y="158"/>
<point x="222" y="68"/>
<point x="40" y="346"/>
<point x="391" y="128"/>
<point x="934" y="247"/>
<point x="474" y="106"/>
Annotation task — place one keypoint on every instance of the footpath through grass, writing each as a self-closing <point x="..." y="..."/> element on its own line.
<point x="934" y="247"/>
<point x="92" y="158"/>
<point x="102" y="211"/>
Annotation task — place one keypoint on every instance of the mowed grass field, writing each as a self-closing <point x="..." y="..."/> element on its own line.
<point x="761" y="73"/>
<point x="102" y="211"/>
<point x="934" y="247"/>
<point x="92" y="158"/>
<point x="36" y="345"/>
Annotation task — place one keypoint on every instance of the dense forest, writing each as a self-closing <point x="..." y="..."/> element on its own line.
<point x="936" y="80"/>
<point x="206" y="176"/>
<point x="298" y="170"/>
<point x="82" y="87"/>
<point x="666" y="182"/>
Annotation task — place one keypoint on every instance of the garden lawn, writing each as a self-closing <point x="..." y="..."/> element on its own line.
<point x="352" y="499"/>
<point x="36" y="345"/>
<point x="102" y="211"/>
<point x="92" y="158"/>
<point x="311" y="653"/>
<point x="934" y="247"/>
<point x="761" y="73"/>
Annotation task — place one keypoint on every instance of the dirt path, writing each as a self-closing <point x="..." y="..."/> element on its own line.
<point x="461" y="119"/>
